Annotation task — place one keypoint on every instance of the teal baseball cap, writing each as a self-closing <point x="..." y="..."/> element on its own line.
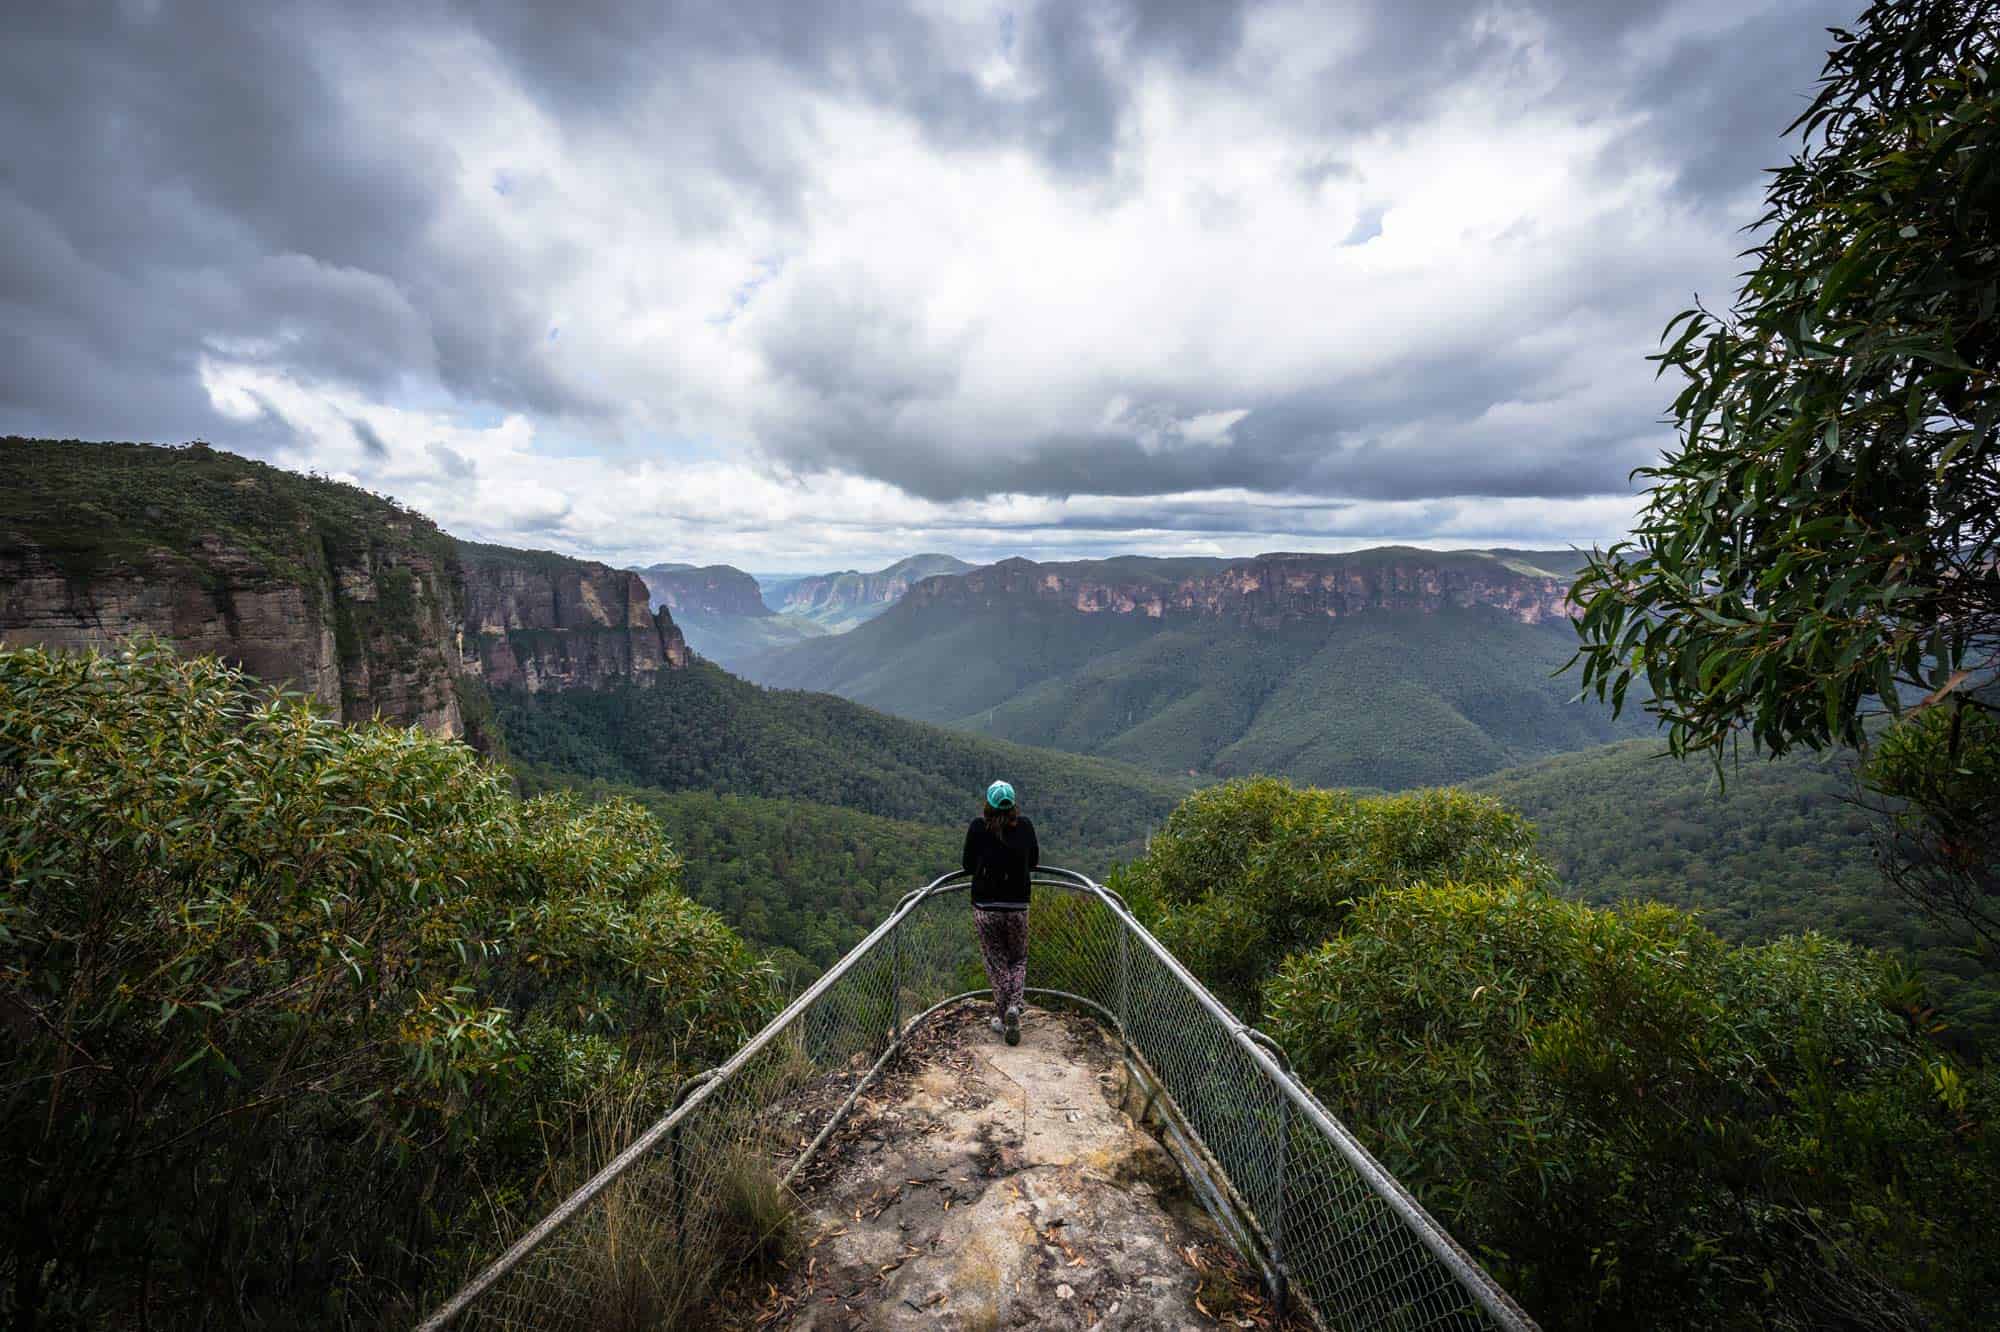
<point x="1000" y="795"/>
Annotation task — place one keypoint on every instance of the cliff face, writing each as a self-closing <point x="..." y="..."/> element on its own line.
<point x="342" y="595"/>
<point x="1268" y="589"/>
<point x="715" y="589"/>
<point x="847" y="593"/>
<point x="536" y="621"/>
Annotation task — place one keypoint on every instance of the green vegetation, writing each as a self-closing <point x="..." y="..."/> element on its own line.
<point x="1639" y="1125"/>
<point x="802" y="881"/>
<point x="1939" y="839"/>
<point x="1247" y="873"/>
<point x="1783" y="848"/>
<point x="703" y="729"/>
<point x="1389" y="699"/>
<point x="731" y="640"/>
<point x="99" y="509"/>
<point x="1631" y="1121"/>
<point x="1825" y="534"/>
<point x="302" y="1016"/>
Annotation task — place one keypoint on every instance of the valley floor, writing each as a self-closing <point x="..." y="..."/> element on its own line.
<point x="987" y="1186"/>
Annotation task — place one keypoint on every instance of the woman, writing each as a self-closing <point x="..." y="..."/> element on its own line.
<point x="1000" y="850"/>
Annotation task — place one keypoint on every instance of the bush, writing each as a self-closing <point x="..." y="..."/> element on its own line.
<point x="1637" y="1124"/>
<point x="1246" y="873"/>
<point x="291" y="1006"/>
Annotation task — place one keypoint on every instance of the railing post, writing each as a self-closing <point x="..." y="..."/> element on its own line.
<point x="676" y="1202"/>
<point x="1277" y="1226"/>
<point x="896" y="977"/>
<point x="1124" y="984"/>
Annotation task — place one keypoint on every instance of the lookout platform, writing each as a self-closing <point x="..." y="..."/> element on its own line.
<point x="979" y="1185"/>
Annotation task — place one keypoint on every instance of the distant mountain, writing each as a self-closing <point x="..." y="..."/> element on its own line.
<point x="841" y="601"/>
<point x="721" y="611"/>
<point x="712" y="589"/>
<point x="1391" y="668"/>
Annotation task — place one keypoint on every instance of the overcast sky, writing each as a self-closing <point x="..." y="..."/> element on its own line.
<point x="815" y="285"/>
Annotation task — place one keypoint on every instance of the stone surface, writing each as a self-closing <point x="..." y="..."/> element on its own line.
<point x="992" y="1187"/>
<point x="537" y="621"/>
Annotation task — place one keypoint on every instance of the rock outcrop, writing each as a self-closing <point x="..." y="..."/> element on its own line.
<point x="363" y="605"/>
<point x="987" y="1186"/>
<point x="535" y="621"/>
<point x="713" y="589"/>
<point x="1268" y="589"/>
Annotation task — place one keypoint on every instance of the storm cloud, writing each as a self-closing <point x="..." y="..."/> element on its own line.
<point x="797" y="284"/>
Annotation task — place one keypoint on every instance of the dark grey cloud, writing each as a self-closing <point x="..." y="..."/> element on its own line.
<point x="191" y="178"/>
<point x="371" y="443"/>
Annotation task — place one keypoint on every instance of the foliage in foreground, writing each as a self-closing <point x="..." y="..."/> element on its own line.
<point x="1643" y="1125"/>
<point x="1630" y="1120"/>
<point x="801" y="881"/>
<point x="1825" y="534"/>
<point x="1246" y="873"/>
<point x="291" y="1006"/>
<point x="1939" y="838"/>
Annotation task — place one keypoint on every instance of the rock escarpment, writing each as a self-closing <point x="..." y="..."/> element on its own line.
<point x="851" y="595"/>
<point x="535" y="621"/>
<point x="1268" y="589"/>
<point x="714" y="589"/>
<point x="365" y="606"/>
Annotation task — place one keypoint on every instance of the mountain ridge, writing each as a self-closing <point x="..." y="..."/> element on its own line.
<point x="1268" y="586"/>
<point x="1388" y="668"/>
<point x="850" y="597"/>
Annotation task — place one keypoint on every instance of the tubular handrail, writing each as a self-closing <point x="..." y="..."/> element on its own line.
<point x="1272" y="1236"/>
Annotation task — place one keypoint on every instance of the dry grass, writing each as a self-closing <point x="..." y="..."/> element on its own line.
<point x="635" y="1261"/>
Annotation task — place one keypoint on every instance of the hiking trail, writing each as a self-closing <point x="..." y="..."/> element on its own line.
<point x="985" y="1186"/>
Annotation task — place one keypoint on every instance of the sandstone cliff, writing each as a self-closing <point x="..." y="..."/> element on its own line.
<point x="715" y="589"/>
<point x="365" y="606"/>
<point x="856" y="596"/>
<point x="536" y="620"/>
<point x="1268" y="589"/>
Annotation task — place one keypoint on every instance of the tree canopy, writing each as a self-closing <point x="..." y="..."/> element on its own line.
<point x="293" y="1014"/>
<point x="1821" y="543"/>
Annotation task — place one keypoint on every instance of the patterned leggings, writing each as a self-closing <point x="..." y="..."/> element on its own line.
<point x="1003" y="942"/>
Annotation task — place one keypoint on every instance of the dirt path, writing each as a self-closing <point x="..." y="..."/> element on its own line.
<point x="984" y="1186"/>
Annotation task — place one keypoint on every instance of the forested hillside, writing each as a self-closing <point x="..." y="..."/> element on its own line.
<point x="1783" y="847"/>
<point x="1392" y="697"/>
<point x="711" y="731"/>
<point x="802" y="881"/>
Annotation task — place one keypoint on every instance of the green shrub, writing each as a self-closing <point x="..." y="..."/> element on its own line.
<point x="1637" y="1124"/>
<point x="1246" y="873"/>
<point x="293" y="1009"/>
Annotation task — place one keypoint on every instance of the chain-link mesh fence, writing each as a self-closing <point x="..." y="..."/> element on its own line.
<point x="648" y="1236"/>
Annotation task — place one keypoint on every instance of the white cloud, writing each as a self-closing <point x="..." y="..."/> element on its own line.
<point x="792" y="314"/>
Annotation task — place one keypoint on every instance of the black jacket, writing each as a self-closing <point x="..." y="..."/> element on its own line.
<point x="999" y="865"/>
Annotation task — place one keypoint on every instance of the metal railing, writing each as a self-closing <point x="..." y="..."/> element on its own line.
<point x="1330" y="1229"/>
